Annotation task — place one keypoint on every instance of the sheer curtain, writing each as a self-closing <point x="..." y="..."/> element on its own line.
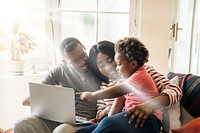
<point x="195" y="51"/>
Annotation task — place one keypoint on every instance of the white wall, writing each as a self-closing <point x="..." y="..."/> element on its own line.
<point x="12" y="90"/>
<point x="155" y="28"/>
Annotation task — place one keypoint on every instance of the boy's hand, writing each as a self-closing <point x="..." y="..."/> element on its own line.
<point x="85" y="96"/>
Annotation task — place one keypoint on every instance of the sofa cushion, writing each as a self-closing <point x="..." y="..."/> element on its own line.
<point x="190" y="85"/>
<point x="171" y="116"/>
<point x="190" y="127"/>
<point x="174" y="111"/>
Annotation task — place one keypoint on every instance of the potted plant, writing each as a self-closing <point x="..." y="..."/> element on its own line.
<point x="21" y="44"/>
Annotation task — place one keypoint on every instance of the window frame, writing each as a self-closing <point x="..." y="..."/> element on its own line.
<point x="53" y="30"/>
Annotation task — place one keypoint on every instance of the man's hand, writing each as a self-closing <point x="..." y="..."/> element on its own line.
<point x="85" y="96"/>
<point x="141" y="111"/>
<point x="26" y="101"/>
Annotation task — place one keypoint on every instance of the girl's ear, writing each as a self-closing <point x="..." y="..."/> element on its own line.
<point x="133" y="64"/>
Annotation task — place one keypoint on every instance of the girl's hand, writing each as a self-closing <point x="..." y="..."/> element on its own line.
<point x="85" y="96"/>
<point x="94" y="121"/>
<point x="141" y="111"/>
<point x="102" y="113"/>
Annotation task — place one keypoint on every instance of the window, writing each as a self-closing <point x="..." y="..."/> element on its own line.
<point x="50" y="21"/>
<point x="95" y="20"/>
<point x="24" y="16"/>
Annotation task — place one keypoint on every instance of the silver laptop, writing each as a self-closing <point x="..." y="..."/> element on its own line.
<point x="54" y="103"/>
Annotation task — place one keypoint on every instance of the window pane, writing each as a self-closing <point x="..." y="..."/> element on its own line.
<point x="114" y="5"/>
<point x="38" y="4"/>
<point x="84" y="5"/>
<point x="79" y="25"/>
<point x="113" y="26"/>
<point x="34" y="25"/>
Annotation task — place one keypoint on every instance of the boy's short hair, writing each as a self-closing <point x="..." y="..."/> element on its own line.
<point x="68" y="45"/>
<point x="132" y="49"/>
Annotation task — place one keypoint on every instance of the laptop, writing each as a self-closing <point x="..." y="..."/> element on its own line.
<point x="54" y="103"/>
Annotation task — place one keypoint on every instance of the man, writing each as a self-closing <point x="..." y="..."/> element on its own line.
<point x="74" y="72"/>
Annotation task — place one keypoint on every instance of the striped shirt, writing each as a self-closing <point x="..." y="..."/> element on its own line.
<point x="164" y="86"/>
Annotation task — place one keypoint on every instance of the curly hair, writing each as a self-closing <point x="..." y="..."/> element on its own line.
<point x="132" y="49"/>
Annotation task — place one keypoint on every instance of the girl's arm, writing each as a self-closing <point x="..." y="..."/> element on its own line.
<point x="117" y="106"/>
<point x="110" y="92"/>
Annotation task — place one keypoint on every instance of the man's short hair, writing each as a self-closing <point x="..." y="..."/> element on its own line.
<point x="68" y="45"/>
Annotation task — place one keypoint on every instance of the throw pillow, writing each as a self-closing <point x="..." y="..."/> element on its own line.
<point x="190" y="127"/>
<point x="190" y="85"/>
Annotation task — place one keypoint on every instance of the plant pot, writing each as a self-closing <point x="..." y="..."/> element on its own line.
<point x="16" y="67"/>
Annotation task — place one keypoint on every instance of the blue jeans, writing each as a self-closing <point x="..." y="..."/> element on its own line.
<point x="119" y="124"/>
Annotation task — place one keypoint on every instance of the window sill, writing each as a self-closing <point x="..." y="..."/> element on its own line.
<point x="26" y="74"/>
